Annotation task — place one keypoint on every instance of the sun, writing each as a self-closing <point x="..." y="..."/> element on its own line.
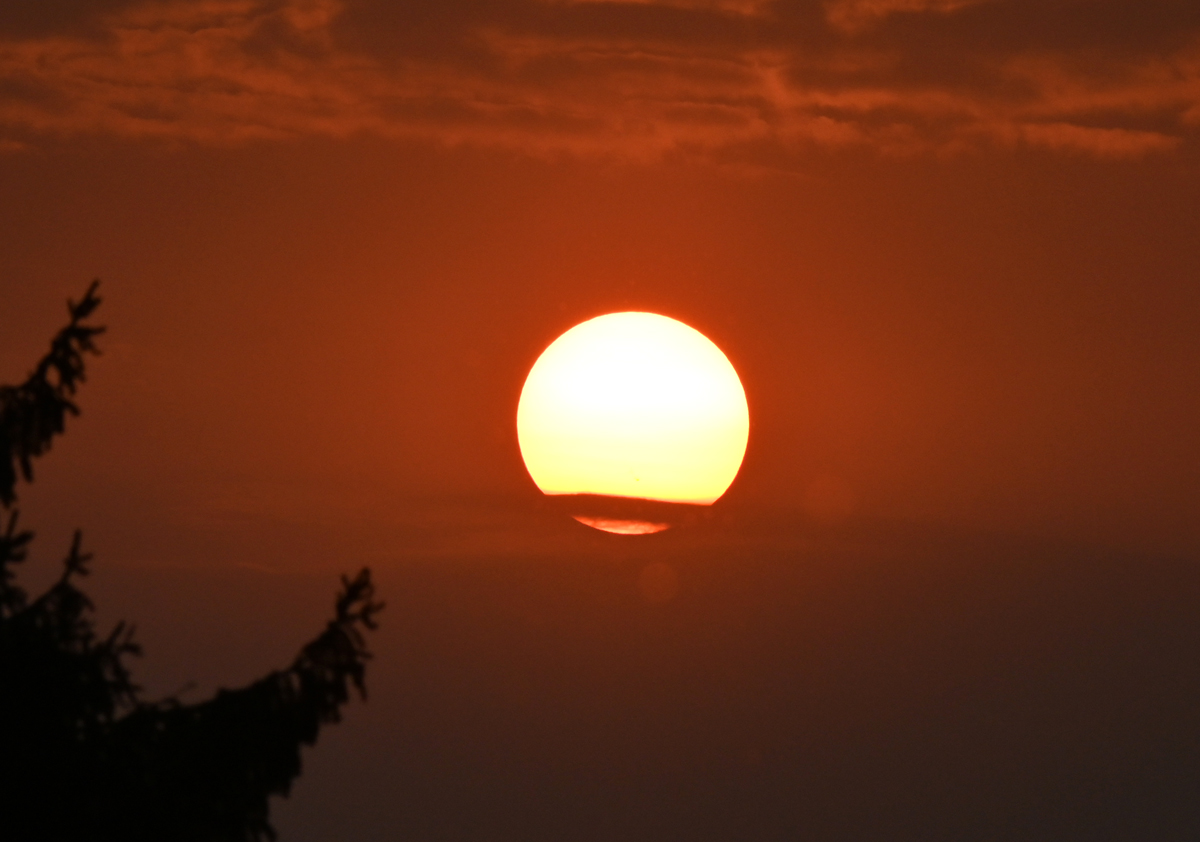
<point x="633" y="405"/>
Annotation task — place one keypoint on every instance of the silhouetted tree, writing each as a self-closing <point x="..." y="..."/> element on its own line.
<point x="83" y="756"/>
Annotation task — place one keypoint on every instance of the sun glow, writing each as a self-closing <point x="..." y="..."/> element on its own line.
<point x="633" y="405"/>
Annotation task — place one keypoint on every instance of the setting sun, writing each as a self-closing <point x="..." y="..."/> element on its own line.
<point x="633" y="405"/>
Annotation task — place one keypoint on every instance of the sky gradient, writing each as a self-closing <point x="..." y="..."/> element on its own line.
<point x="952" y="249"/>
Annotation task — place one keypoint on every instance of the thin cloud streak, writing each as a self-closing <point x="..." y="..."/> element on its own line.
<point x="1103" y="143"/>
<point x="232" y="71"/>
<point x="742" y="8"/>
<point x="855" y="15"/>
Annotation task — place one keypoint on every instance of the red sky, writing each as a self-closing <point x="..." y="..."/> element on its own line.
<point x="952" y="248"/>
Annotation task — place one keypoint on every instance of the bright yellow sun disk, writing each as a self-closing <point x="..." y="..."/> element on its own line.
<point x="634" y="405"/>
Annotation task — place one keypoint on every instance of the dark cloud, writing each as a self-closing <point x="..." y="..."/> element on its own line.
<point x="855" y="15"/>
<point x="56" y="17"/>
<point x="639" y="79"/>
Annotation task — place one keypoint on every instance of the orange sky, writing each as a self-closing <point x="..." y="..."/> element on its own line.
<point x="1003" y="341"/>
<point x="952" y="249"/>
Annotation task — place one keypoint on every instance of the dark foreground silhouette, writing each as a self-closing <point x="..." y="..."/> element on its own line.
<point x="83" y="756"/>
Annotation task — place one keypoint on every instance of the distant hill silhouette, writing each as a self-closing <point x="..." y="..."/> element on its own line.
<point x="84" y="757"/>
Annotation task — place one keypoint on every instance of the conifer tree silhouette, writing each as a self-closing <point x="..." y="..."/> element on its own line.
<point x="83" y="756"/>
